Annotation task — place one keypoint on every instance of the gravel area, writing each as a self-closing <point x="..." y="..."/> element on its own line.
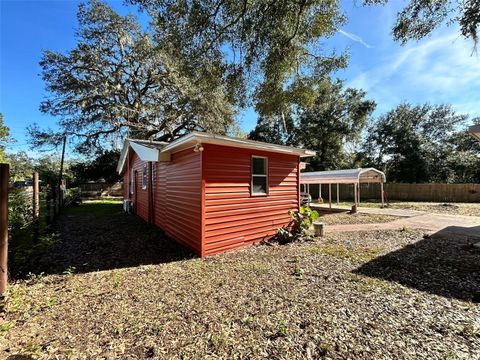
<point x="358" y="218"/>
<point x="375" y="295"/>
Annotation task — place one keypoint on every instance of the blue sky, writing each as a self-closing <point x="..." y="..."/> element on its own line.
<point x="439" y="69"/>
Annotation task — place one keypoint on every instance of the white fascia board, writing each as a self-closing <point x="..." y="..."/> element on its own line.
<point x="204" y="138"/>
<point x="123" y="156"/>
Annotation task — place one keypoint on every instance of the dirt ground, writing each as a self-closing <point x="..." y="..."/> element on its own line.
<point x="368" y="295"/>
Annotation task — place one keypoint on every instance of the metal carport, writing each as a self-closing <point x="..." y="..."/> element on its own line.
<point x="355" y="177"/>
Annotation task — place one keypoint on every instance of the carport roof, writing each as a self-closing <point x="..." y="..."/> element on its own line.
<point x="349" y="176"/>
<point x="475" y="131"/>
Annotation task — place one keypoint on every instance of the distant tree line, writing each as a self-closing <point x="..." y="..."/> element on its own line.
<point x="102" y="168"/>
<point x="199" y="63"/>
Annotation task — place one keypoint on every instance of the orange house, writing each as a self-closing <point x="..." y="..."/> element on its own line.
<point x="212" y="193"/>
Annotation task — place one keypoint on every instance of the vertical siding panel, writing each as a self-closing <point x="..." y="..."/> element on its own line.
<point x="233" y="217"/>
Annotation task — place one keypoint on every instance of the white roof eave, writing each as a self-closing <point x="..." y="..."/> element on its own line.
<point x="204" y="138"/>
<point x="145" y="153"/>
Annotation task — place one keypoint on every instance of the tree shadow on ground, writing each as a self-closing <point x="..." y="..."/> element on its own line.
<point x="446" y="263"/>
<point x="100" y="236"/>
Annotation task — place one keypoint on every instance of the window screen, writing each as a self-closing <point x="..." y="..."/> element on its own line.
<point x="259" y="176"/>
<point x="144" y="177"/>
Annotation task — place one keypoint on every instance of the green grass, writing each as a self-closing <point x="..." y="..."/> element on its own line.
<point x="104" y="207"/>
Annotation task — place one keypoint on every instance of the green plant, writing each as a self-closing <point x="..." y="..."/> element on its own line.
<point x="72" y="197"/>
<point x="282" y="329"/>
<point x="117" y="280"/>
<point x="20" y="211"/>
<point x="6" y="326"/>
<point x="35" y="278"/>
<point x="299" y="227"/>
<point x="69" y="271"/>
<point x="51" y="301"/>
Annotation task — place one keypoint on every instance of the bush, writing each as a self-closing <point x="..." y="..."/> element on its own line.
<point x="20" y="211"/>
<point x="298" y="229"/>
<point x="73" y="196"/>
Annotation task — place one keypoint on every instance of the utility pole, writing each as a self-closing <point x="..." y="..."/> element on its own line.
<point x="4" y="176"/>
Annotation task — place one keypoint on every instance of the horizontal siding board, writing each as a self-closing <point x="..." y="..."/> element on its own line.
<point x="176" y="197"/>
<point x="233" y="217"/>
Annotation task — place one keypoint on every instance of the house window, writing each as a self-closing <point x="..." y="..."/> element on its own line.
<point x="132" y="181"/>
<point x="144" y="177"/>
<point x="259" y="175"/>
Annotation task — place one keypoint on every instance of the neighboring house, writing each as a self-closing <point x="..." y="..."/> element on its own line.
<point x="475" y="131"/>
<point x="212" y="193"/>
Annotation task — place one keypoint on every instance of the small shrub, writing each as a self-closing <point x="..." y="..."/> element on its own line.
<point x="117" y="280"/>
<point x="299" y="226"/>
<point x="73" y="197"/>
<point x="20" y="211"/>
<point x="69" y="271"/>
<point x="282" y="329"/>
<point x="5" y="327"/>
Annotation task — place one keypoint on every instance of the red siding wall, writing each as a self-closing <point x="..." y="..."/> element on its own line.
<point x="177" y="198"/>
<point x="232" y="216"/>
<point x="140" y="196"/>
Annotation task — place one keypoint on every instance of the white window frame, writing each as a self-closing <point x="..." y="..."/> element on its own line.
<point x="132" y="181"/>
<point x="144" y="177"/>
<point x="262" y="175"/>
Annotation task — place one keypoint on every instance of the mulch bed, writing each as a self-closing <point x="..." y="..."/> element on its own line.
<point x="383" y="294"/>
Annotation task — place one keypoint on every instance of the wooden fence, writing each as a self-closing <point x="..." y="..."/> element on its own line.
<point x="406" y="192"/>
<point x="53" y="196"/>
<point x="94" y="190"/>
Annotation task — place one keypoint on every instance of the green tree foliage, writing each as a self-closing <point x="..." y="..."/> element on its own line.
<point x="275" y="130"/>
<point x="118" y="80"/>
<point x="102" y="168"/>
<point x="21" y="165"/>
<point x="337" y="117"/>
<point x="458" y="159"/>
<point x="420" y="17"/>
<point x="4" y="138"/>
<point x="416" y="144"/>
<point x="265" y="51"/>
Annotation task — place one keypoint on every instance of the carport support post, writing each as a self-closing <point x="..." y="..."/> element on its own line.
<point x="381" y="193"/>
<point x="358" y="193"/>
<point x="355" y="194"/>
<point x="4" y="175"/>
<point x="330" y="196"/>
<point x="338" y="194"/>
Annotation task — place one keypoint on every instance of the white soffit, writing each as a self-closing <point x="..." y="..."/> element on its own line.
<point x="145" y="153"/>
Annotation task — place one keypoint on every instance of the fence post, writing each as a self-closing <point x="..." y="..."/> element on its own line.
<point x="4" y="176"/>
